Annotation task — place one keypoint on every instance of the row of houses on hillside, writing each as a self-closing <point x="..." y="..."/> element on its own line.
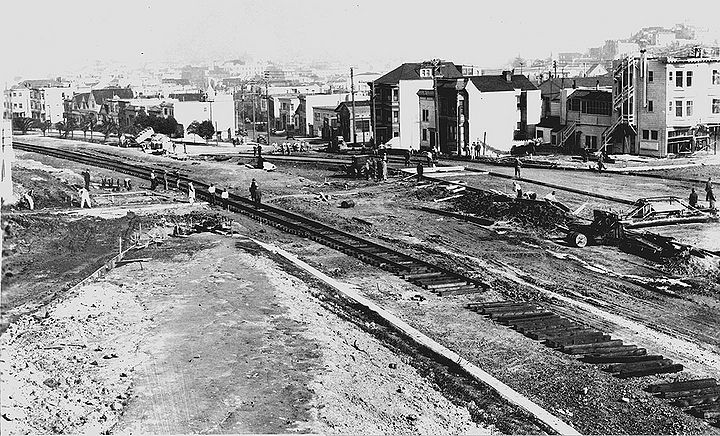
<point x="447" y="107"/>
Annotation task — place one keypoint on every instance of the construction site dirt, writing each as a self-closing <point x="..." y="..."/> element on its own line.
<point x="295" y="357"/>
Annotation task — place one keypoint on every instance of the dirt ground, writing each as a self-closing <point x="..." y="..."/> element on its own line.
<point x="138" y="352"/>
<point x="518" y="263"/>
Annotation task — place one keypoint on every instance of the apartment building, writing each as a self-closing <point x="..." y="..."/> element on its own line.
<point x="361" y="123"/>
<point x="446" y="107"/>
<point x="665" y="105"/>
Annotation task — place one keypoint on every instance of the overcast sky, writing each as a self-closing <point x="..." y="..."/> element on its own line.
<point x="48" y="37"/>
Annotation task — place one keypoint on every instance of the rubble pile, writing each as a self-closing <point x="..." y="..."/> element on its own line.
<point x="532" y="213"/>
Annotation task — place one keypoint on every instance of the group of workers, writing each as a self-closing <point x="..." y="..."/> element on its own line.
<point x="375" y="167"/>
<point x="517" y="189"/>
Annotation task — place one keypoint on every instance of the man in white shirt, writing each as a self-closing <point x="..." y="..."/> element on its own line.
<point x="550" y="196"/>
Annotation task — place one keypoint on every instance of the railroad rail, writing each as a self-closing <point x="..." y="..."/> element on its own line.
<point x="436" y="279"/>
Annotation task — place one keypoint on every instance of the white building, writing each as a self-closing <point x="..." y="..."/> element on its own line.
<point x="221" y="111"/>
<point x="7" y="156"/>
<point x="320" y="100"/>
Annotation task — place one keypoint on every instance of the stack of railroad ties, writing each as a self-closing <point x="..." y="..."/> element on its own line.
<point x="700" y="398"/>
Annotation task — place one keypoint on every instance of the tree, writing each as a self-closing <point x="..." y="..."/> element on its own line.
<point x="84" y="125"/>
<point x="70" y="126"/>
<point x="44" y="126"/>
<point x="60" y="126"/>
<point x="92" y="123"/>
<point x="109" y="126"/>
<point x="23" y="124"/>
<point x="166" y="126"/>
<point x="206" y="130"/>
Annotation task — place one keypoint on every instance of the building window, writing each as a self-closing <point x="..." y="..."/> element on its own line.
<point x="395" y="94"/>
<point x="650" y="76"/>
<point x="716" y="77"/>
<point x="716" y="105"/>
<point x="688" y="78"/>
<point x="650" y="106"/>
<point x="396" y="134"/>
<point x="670" y="106"/>
<point x="645" y="134"/>
<point x="654" y="135"/>
<point x="678" y="79"/>
<point x="591" y="142"/>
<point x="424" y="134"/>
<point x="425" y="114"/>
<point x="670" y="76"/>
<point x="688" y="108"/>
<point x="396" y="116"/>
<point x="678" y="108"/>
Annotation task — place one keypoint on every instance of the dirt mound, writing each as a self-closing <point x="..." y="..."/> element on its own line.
<point x="531" y="213"/>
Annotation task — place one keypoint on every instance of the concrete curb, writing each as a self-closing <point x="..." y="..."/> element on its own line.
<point x="506" y="392"/>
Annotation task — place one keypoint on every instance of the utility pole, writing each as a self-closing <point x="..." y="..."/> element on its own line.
<point x="253" y="123"/>
<point x="374" y="113"/>
<point x="267" y="95"/>
<point x="436" y="63"/>
<point x="352" y="95"/>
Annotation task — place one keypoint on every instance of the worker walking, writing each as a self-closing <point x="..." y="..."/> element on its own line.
<point x="518" y="165"/>
<point x="693" y="200"/>
<point x="601" y="162"/>
<point x="255" y="194"/>
<point x="191" y="192"/>
<point x="84" y="197"/>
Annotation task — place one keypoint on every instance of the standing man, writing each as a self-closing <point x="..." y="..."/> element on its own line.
<point x="693" y="198"/>
<point x="518" y="165"/>
<point x="191" y="192"/>
<point x="367" y="169"/>
<point x="601" y="163"/>
<point x="407" y="158"/>
<point x="211" y="191"/>
<point x="420" y="171"/>
<point x="153" y="180"/>
<point x="225" y="196"/>
<point x="255" y="194"/>
<point x="384" y="167"/>
<point x="86" y="178"/>
<point x="709" y="194"/>
<point x="165" y="179"/>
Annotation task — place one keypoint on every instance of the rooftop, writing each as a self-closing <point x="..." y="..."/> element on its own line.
<point x="411" y="71"/>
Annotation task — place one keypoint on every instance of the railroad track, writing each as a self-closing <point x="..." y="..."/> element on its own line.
<point x="700" y="398"/>
<point x="436" y="279"/>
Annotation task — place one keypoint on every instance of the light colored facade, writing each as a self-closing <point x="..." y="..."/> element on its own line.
<point x="221" y="112"/>
<point x="492" y="116"/>
<point x="55" y="103"/>
<point x="666" y="105"/>
<point x="406" y="113"/>
<point x="317" y="100"/>
<point x="18" y="98"/>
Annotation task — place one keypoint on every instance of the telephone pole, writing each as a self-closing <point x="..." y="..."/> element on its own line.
<point x="267" y="96"/>
<point x="352" y="96"/>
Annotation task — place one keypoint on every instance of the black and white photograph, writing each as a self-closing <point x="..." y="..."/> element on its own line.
<point x="361" y="217"/>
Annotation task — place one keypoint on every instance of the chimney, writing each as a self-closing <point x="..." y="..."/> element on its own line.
<point x="574" y="84"/>
<point x="508" y="76"/>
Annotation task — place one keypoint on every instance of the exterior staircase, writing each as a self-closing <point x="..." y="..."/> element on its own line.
<point x="567" y="132"/>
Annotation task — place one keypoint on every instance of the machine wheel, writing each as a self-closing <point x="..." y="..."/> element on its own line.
<point x="577" y="239"/>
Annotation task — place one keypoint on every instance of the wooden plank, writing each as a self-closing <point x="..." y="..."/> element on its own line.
<point x="683" y="386"/>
